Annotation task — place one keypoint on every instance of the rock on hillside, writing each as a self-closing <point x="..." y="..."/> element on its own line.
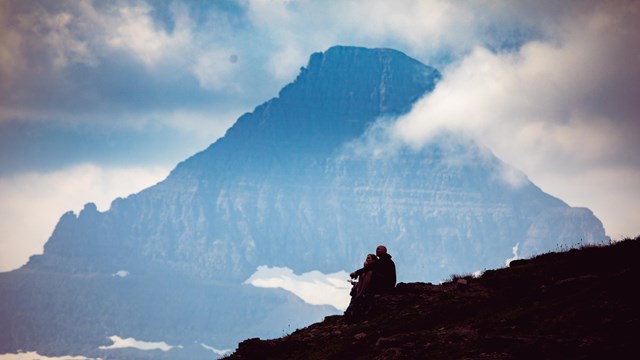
<point x="579" y="304"/>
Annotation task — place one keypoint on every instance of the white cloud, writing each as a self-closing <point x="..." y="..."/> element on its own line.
<point x="214" y="69"/>
<point x="427" y="29"/>
<point x="135" y="31"/>
<point x="207" y="53"/>
<point x="313" y="287"/>
<point x="32" y="203"/>
<point x="119" y="343"/>
<point x="61" y="35"/>
<point x="10" y="47"/>
<point x="563" y="111"/>
<point x="37" y="42"/>
<point x="285" y="63"/>
<point x="285" y="24"/>
<point x="514" y="249"/>
<point x="422" y="25"/>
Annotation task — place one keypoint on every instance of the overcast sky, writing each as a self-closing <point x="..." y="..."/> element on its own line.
<point x="100" y="99"/>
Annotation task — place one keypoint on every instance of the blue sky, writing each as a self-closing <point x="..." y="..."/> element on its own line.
<point x="101" y="99"/>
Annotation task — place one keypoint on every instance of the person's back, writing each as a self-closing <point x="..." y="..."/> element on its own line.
<point x="384" y="273"/>
<point x="365" y="279"/>
<point x="359" y="304"/>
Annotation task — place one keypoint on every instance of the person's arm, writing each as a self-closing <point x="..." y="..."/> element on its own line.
<point x="359" y="272"/>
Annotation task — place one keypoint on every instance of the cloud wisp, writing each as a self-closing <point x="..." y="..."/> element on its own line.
<point x="561" y="110"/>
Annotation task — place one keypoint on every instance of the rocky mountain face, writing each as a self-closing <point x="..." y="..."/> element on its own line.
<point x="259" y="194"/>
<point x="578" y="304"/>
<point x="308" y="180"/>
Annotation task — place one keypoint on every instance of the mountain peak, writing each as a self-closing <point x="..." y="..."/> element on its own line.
<point x="348" y="76"/>
<point x="346" y="55"/>
<point x="334" y="99"/>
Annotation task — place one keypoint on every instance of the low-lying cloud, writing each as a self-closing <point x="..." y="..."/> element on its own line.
<point x="313" y="287"/>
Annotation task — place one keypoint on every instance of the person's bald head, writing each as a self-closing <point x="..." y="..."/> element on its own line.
<point x="381" y="250"/>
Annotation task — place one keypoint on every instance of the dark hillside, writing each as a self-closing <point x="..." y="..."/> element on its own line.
<point x="578" y="304"/>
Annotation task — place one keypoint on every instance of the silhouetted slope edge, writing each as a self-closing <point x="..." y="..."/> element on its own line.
<point x="578" y="304"/>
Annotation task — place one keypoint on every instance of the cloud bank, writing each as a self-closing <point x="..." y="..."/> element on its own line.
<point x="562" y="110"/>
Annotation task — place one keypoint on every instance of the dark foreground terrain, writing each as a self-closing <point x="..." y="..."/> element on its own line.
<point x="577" y="304"/>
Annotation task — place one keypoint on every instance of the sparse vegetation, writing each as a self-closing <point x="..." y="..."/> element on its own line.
<point x="455" y="277"/>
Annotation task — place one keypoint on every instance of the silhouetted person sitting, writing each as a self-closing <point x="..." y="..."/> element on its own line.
<point x="363" y="284"/>
<point x="360" y="289"/>
<point x="384" y="271"/>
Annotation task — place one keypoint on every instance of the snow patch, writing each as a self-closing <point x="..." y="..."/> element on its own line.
<point x="121" y="273"/>
<point x="217" y="351"/>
